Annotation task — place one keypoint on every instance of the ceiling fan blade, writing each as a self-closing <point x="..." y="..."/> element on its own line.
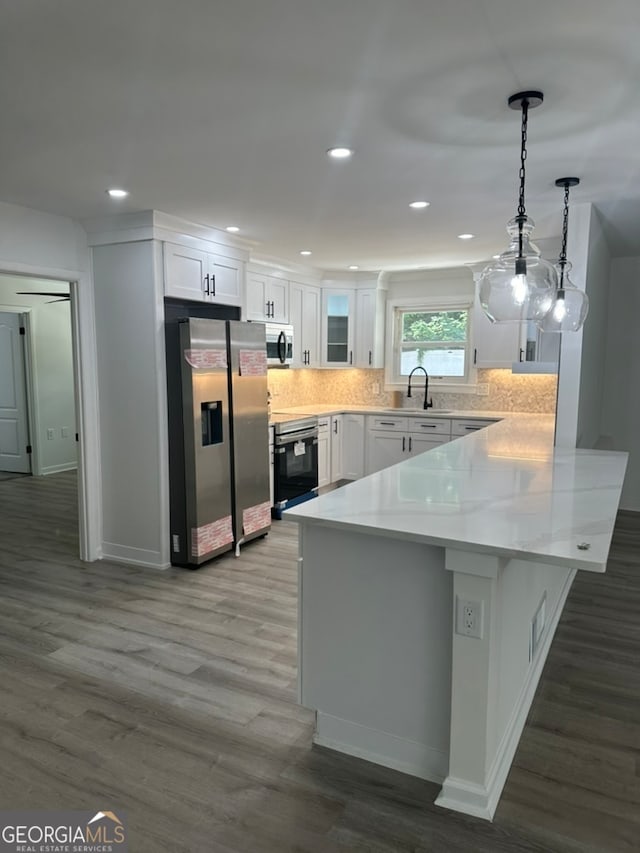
<point x="62" y="296"/>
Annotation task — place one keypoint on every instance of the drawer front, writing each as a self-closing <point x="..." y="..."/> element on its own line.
<point x="387" y="422"/>
<point x="465" y="427"/>
<point x="430" y="426"/>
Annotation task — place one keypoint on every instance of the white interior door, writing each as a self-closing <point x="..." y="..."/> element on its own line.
<point x="14" y="432"/>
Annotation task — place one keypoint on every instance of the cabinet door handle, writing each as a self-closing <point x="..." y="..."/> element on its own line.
<point x="404" y="441"/>
<point x="207" y="292"/>
<point x="350" y="356"/>
<point x="521" y="353"/>
<point x="475" y="356"/>
<point x="369" y="357"/>
<point x="335" y="427"/>
<point x="387" y="423"/>
<point x="267" y="312"/>
<point x="273" y="313"/>
<point x="409" y="444"/>
<point x="428" y="426"/>
<point x="472" y="429"/>
<point x="213" y="285"/>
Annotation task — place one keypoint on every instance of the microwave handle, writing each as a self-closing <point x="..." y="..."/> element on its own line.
<point x="282" y="347"/>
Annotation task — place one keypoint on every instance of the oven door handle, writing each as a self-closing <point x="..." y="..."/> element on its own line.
<point x="282" y="347"/>
<point x="292" y="438"/>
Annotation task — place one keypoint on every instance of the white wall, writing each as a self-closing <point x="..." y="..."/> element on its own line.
<point x="133" y="408"/>
<point x="52" y="372"/>
<point x="621" y="401"/>
<point x="582" y="354"/>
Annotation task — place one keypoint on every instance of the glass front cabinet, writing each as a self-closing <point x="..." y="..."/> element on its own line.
<point x="338" y="309"/>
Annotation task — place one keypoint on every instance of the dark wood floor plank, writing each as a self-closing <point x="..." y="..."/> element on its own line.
<point x="172" y="697"/>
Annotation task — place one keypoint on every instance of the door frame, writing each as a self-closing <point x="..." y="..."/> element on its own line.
<point x="86" y="398"/>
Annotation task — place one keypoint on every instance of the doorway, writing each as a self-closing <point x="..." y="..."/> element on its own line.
<point x="37" y="378"/>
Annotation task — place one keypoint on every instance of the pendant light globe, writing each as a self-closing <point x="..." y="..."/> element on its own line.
<point x="519" y="286"/>
<point x="569" y="308"/>
<point x="570" y="305"/>
<point x="513" y="292"/>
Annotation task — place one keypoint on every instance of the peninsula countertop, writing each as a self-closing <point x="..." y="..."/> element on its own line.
<point x="503" y="490"/>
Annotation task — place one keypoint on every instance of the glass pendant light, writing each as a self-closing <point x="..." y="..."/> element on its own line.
<point x="519" y="285"/>
<point x="570" y="305"/>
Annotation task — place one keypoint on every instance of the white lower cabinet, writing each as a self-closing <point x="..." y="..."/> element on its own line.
<point x="337" y="455"/>
<point x="324" y="453"/>
<point x="353" y="443"/>
<point x="392" y="439"/>
<point x="384" y="449"/>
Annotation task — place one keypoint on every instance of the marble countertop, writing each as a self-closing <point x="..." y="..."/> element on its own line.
<point x="503" y="490"/>
<point x="337" y="408"/>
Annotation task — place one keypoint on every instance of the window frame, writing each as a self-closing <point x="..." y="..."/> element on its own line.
<point x="395" y="308"/>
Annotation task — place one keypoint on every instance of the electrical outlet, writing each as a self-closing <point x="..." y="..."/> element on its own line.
<point x="482" y="389"/>
<point x="469" y="618"/>
<point x="65" y="432"/>
<point x="50" y="434"/>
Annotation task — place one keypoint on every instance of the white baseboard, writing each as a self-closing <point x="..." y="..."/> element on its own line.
<point x="133" y="556"/>
<point x="58" y="469"/>
<point x="482" y="800"/>
<point x="407" y="756"/>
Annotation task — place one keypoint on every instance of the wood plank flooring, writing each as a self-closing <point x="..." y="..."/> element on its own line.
<point x="171" y="696"/>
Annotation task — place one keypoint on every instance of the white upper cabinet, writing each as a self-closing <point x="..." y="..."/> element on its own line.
<point x="267" y="298"/>
<point x="338" y="310"/>
<point x="495" y="344"/>
<point x="369" y="332"/>
<point x="202" y="276"/>
<point x="304" y="315"/>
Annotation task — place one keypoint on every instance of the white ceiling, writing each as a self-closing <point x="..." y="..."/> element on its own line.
<point x="222" y="112"/>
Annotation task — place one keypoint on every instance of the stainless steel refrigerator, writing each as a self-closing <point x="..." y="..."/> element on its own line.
<point x="218" y="438"/>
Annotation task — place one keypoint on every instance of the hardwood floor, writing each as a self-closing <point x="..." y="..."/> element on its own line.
<point x="171" y="697"/>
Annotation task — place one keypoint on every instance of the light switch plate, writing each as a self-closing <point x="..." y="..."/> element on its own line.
<point x="482" y="389"/>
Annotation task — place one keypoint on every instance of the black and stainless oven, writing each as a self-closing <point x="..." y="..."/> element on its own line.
<point x="295" y="462"/>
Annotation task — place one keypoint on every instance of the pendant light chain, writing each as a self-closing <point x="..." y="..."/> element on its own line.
<point x="523" y="157"/>
<point x="562" y="260"/>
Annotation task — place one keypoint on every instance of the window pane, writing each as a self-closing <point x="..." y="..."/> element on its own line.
<point x="447" y="361"/>
<point x="434" y="326"/>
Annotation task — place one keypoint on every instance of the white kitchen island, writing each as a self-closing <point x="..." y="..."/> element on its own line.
<point x="498" y="522"/>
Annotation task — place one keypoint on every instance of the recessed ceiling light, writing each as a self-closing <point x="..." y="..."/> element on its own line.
<point x="419" y="205"/>
<point x="115" y="193"/>
<point x="340" y="153"/>
<point x="466" y="236"/>
<point x="354" y="267"/>
<point x="305" y="252"/>
<point x="232" y="229"/>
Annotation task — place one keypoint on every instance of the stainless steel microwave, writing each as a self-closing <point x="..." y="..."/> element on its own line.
<point x="279" y="345"/>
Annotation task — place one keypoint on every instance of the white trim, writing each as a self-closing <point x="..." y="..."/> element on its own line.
<point x="481" y="800"/>
<point x="115" y="553"/>
<point x="33" y="414"/>
<point x="407" y="756"/>
<point x="163" y="407"/>
<point x="57" y="469"/>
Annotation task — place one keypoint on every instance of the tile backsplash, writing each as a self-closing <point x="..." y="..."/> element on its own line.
<point x="508" y="392"/>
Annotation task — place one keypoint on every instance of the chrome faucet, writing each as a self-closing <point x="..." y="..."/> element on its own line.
<point x="428" y="404"/>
